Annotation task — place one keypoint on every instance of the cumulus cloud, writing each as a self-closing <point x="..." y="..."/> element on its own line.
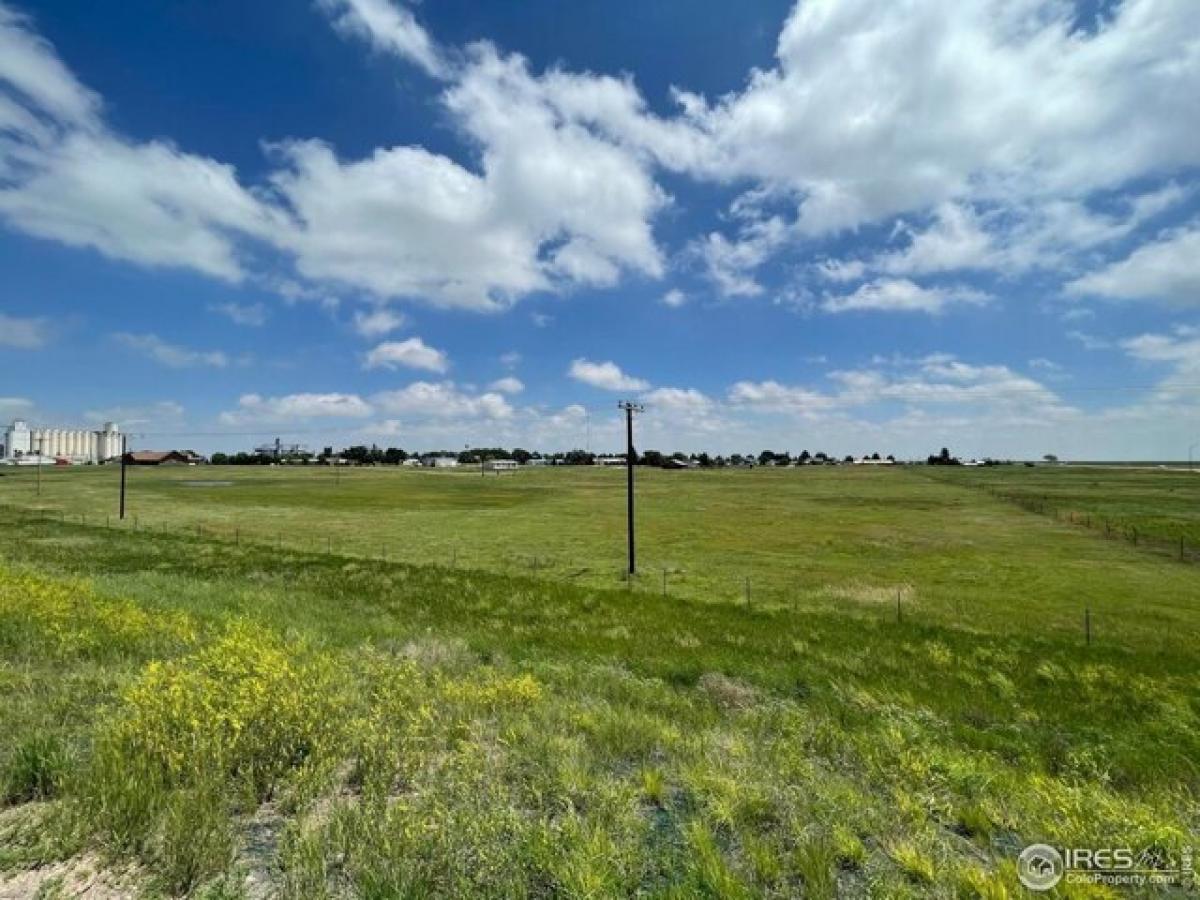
<point x="935" y="382"/>
<point x="173" y="355"/>
<point x="378" y="322"/>
<point x="902" y="295"/>
<point x="413" y="353"/>
<point x="872" y="112"/>
<point x="442" y="400"/>
<point x="507" y="385"/>
<point x="66" y="177"/>
<point x="252" y="408"/>
<point x="24" y="333"/>
<point x="674" y="298"/>
<point x="605" y="375"/>
<point x="388" y="27"/>
<point x="997" y="126"/>
<point x="1164" y="269"/>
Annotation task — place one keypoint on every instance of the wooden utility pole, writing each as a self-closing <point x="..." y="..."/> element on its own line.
<point x="630" y="408"/>
<point x="124" y="453"/>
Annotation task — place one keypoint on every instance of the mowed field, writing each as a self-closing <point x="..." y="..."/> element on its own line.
<point x="382" y="682"/>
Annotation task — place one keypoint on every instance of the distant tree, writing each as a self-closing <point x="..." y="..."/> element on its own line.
<point x="804" y="458"/>
<point x="1050" y="458"/>
<point x="652" y="458"/>
<point x="944" y="459"/>
<point x="219" y="459"/>
<point x="875" y="455"/>
<point x="891" y="458"/>
<point x="579" y="458"/>
<point x="705" y="461"/>
<point x="848" y="458"/>
<point x="522" y="456"/>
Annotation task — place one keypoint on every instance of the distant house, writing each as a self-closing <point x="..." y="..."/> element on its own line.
<point x="411" y="462"/>
<point x="501" y="465"/>
<point x="161" y="458"/>
<point x="672" y="463"/>
<point x="610" y="460"/>
<point x="434" y="461"/>
<point x="538" y="461"/>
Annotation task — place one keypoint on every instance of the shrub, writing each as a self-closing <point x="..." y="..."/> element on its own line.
<point x="248" y="706"/>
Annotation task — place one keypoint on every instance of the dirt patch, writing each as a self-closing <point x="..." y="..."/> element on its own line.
<point x="82" y="877"/>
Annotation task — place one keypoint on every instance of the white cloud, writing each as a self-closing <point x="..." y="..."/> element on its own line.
<point x="1164" y="269"/>
<point x="954" y="241"/>
<point x="902" y="295"/>
<point x="507" y="385"/>
<point x="388" y="27"/>
<point x="13" y="407"/>
<point x="936" y="392"/>
<point x="24" y="333"/>
<point x="172" y="355"/>
<point x="442" y="400"/>
<point x="731" y="263"/>
<point x="254" y="408"/>
<point x="674" y="298"/>
<point x="510" y="360"/>
<point x="872" y="112"/>
<point x="605" y="375"/>
<point x="773" y="396"/>
<point x="1004" y="123"/>
<point x="66" y="177"/>
<point x="413" y="353"/>
<point x="252" y="315"/>
<point x="378" y="322"/>
<point x="1181" y="346"/>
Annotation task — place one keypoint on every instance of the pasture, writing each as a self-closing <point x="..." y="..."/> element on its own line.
<point x="388" y="682"/>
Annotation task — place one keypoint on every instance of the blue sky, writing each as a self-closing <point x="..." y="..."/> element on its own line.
<point x="826" y="225"/>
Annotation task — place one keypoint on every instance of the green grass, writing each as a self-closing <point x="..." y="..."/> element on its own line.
<point x="224" y="717"/>
<point x="1163" y="504"/>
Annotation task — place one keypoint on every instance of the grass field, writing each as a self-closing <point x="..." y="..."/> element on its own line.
<point x="190" y="714"/>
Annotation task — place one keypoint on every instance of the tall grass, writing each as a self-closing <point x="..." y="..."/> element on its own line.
<point x="338" y="728"/>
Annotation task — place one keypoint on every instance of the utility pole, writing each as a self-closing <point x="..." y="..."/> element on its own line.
<point x="124" y="452"/>
<point x="630" y="408"/>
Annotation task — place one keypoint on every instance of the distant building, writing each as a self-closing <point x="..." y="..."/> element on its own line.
<point x="71" y="445"/>
<point x="278" y="448"/>
<point x="501" y="465"/>
<point x="610" y="460"/>
<point x="672" y="463"/>
<point x="537" y="461"/>
<point x="436" y="461"/>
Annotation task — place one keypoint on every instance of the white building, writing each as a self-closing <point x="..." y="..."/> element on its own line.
<point x="501" y="465"/>
<point x="439" y="462"/>
<point x="74" y="445"/>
